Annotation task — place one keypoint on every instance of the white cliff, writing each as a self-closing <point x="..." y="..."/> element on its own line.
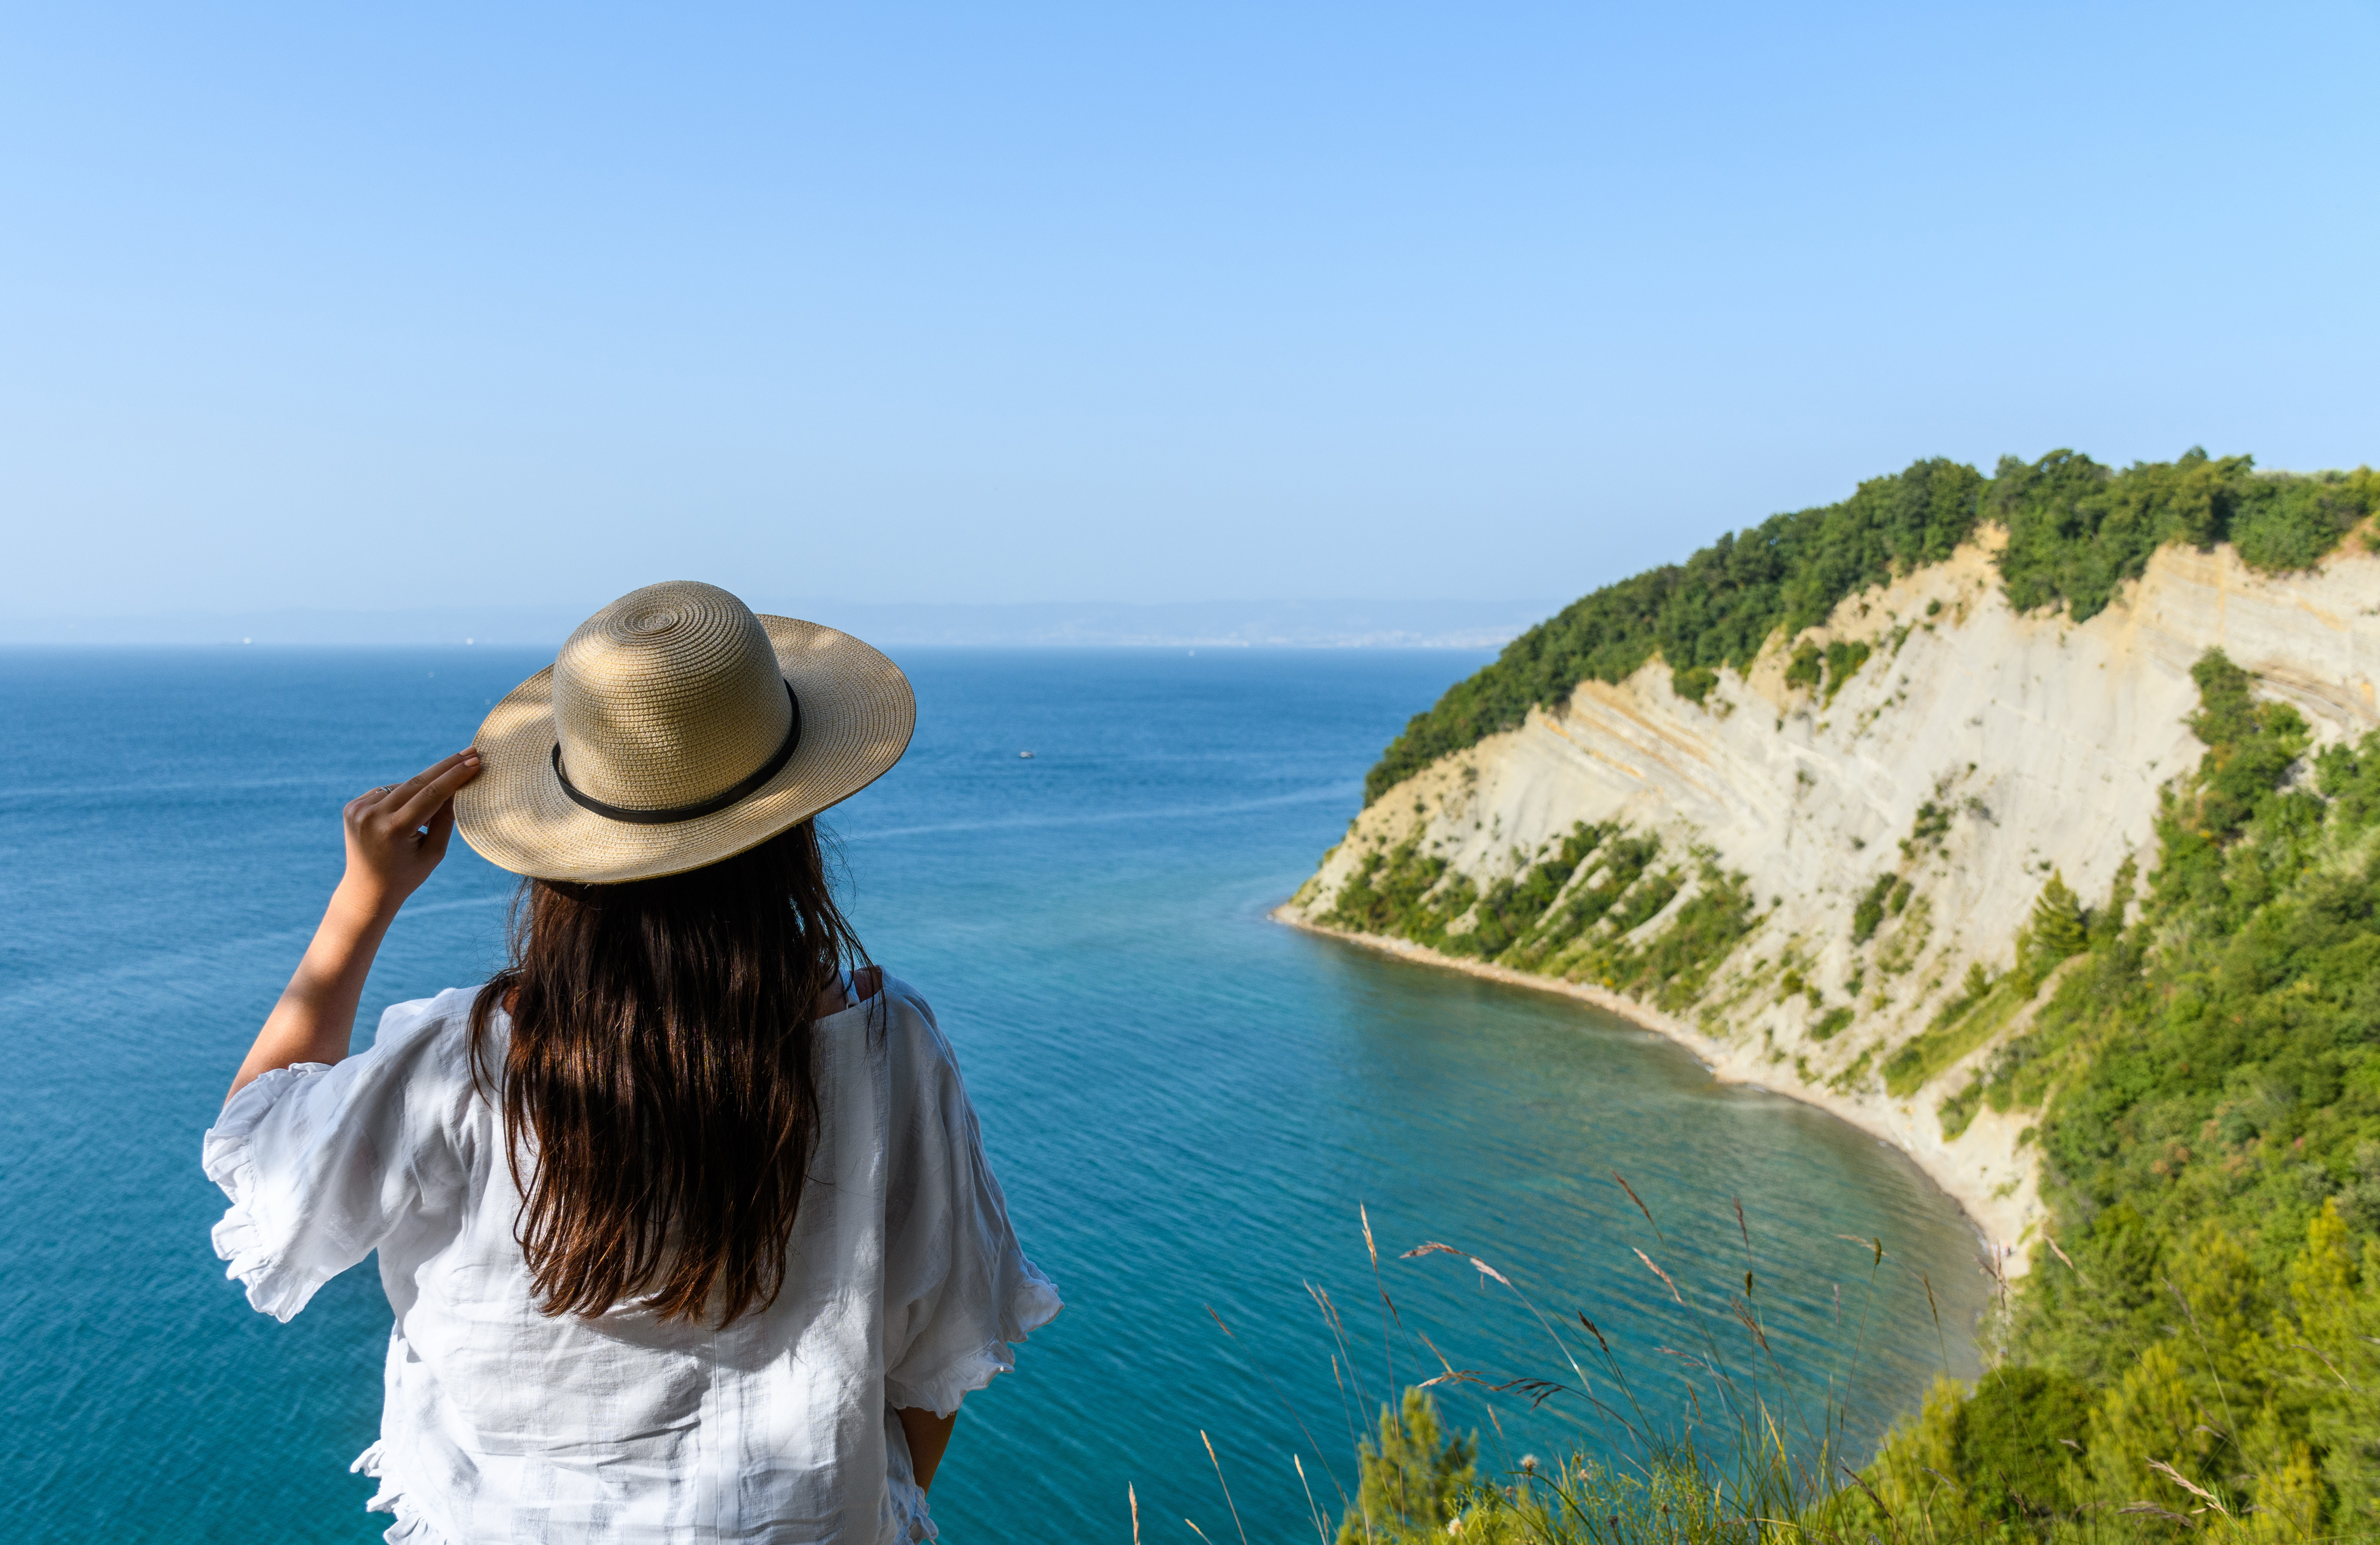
<point x="2044" y="744"/>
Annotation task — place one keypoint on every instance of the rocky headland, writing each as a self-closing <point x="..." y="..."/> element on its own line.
<point x="1851" y="866"/>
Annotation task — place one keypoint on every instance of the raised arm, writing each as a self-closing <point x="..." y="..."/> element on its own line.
<point x="395" y="836"/>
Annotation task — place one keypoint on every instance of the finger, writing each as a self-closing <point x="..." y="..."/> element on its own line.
<point x="441" y="826"/>
<point x="390" y="797"/>
<point x="436" y="787"/>
<point x="371" y="802"/>
<point x="417" y="807"/>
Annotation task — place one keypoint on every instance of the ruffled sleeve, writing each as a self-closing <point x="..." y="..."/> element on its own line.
<point x="323" y="1163"/>
<point x="958" y="1288"/>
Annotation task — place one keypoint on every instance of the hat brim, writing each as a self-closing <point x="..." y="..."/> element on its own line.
<point x="857" y="714"/>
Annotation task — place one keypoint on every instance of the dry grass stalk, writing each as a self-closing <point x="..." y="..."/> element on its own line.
<point x="1663" y="1275"/>
<point x="1224" y="1484"/>
<point x="1640" y="1205"/>
<point x="1312" y="1511"/>
<point x="2202" y="1493"/>
<point x="1282" y="1401"/>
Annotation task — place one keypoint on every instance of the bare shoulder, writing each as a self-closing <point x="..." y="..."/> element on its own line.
<point x="865" y="984"/>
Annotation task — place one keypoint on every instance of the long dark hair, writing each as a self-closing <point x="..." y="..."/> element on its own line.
<point x="660" y="1061"/>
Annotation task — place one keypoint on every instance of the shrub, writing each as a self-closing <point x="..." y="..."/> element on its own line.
<point x="1672" y="967"/>
<point x="1513" y="907"/>
<point x="2019" y="1441"/>
<point x="1843" y="661"/>
<point x="1869" y="912"/>
<point x="1413" y="1482"/>
<point x="1928" y="827"/>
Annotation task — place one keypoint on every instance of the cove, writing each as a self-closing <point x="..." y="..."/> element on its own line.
<point x="1186" y="1102"/>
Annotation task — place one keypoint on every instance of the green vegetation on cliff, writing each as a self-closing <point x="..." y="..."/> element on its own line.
<point x="1538" y="920"/>
<point x="1718" y="608"/>
<point x="2076" y="530"/>
<point x="2207" y="1068"/>
<point x="2197" y="1347"/>
<point x="2196" y="1350"/>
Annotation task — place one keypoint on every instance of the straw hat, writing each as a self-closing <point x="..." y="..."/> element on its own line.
<point x="675" y="729"/>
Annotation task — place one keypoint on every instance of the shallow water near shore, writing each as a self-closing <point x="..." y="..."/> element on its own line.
<point x="1185" y="1101"/>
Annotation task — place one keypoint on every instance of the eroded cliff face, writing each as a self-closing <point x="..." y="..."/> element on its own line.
<point x="1800" y="878"/>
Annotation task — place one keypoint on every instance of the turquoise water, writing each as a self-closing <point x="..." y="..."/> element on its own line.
<point x="1186" y="1101"/>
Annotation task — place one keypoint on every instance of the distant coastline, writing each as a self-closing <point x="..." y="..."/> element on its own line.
<point x="1174" y="625"/>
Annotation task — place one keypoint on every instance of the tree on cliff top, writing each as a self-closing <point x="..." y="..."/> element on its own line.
<point x="2077" y="529"/>
<point x="1718" y="608"/>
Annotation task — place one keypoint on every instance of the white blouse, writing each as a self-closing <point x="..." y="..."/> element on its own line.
<point x="904" y="1287"/>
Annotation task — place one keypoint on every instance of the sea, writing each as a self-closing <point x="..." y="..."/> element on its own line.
<point x="1223" y="1138"/>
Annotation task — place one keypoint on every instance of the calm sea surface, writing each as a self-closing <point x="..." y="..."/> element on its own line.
<point x="1186" y="1101"/>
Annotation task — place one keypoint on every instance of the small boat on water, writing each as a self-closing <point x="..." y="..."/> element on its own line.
<point x="1025" y="756"/>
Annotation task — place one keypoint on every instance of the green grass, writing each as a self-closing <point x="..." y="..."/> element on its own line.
<point x="1513" y="907"/>
<point x="2058" y="930"/>
<point x="2193" y="1438"/>
<point x="1760" y="1445"/>
<point x="1958" y="1113"/>
<point x="1919" y="1060"/>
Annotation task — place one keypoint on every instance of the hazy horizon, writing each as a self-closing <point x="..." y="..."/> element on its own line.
<point x="1320" y="623"/>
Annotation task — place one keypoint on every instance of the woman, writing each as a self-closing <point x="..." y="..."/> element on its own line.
<point x="686" y="1223"/>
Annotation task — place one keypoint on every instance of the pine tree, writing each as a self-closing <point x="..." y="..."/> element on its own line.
<point x="2059" y="928"/>
<point x="2336" y="1297"/>
<point x="1414" y="1482"/>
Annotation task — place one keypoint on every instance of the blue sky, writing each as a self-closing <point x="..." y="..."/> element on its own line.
<point x="366" y="306"/>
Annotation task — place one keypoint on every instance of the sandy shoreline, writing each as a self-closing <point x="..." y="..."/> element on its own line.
<point x="2000" y="1228"/>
